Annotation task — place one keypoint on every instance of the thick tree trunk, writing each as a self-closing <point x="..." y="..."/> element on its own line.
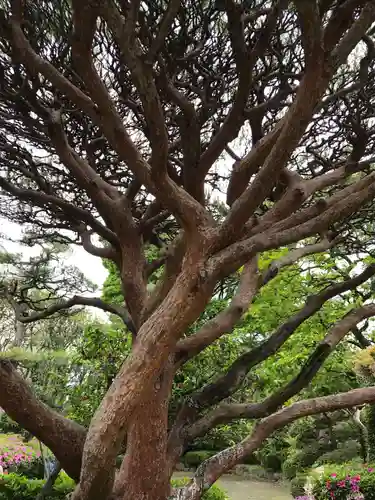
<point x="62" y="436"/>
<point x="144" y="473"/>
<point x="155" y="341"/>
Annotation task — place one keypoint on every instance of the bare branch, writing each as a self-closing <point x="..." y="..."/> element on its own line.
<point x="245" y="61"/>
<point x="309" y="19"/>
<point x="77" y="300"/>
<point x="299" y="115"/>
<point x="313" y="220"/>
<point x="75" y="214"/>
<point x="102" y="252"/>
<point x="101" y="193"/>
<point x="249" y="165"/>
<point x="190" y="213"/>
<point x="165" y="26"/>
<point x="36" y="64"/>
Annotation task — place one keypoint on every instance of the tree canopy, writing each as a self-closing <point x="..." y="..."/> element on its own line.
<point x="182" y="142"/>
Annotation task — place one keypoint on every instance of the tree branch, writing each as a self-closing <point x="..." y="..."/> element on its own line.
<point x="244" y="63"/>
<point x="310" y="91"/>
<point x="228" y="412"/>
<point x="102" y="252"/>
<point x="77" y="300"/>
<point x="62" y="436"/>
<point x="74" y="214"/>
<point x="189" y="212"/>
<point x="310" y="221"/>
<point x="229" y="383"/>
<point x="296" y="254"/>
<point x="250" y="284"/>
<point x="212" y="469"/>
<point x="101" y="193"/>
<point x="307" y="102"/>
<point x="165" y="26"/>
<point x="224" y="321"/>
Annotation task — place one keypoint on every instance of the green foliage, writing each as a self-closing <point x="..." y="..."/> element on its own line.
<point x="214" y="493"/>
<point x="26" y="356"/>
<point x="371" y="431"/>
<point x="346" y="452"/>
<point x="297" y="485"/>
<point x="101" y="351"/>
<point x="195" y="458"/>
<point x="273" y="452"/>
<point x="8" y="426"/>
<point x="112" y="292"/>
<point x="300" y="459"/>
<point x="18" y="487"/>
<point x="224" y="436"/>
<point x="340" y="481"/>
<point x="276" y="302"/>
<point x="33" y="469"/>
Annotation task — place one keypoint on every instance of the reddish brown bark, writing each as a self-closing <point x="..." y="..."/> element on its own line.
<point x="155" y="340"/>
<point x="159" y="98"/>
<point x="143" y="474"/>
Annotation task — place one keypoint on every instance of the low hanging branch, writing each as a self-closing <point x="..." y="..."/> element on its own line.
<point x="208" y="473"/>
<point x="64" y="437"/>
<point x="189" y="424"/>
<point x="77" y="300"/>
<point x="117" y="132"/>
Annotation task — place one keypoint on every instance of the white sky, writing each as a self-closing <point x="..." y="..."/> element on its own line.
<point x="91" y="266"/>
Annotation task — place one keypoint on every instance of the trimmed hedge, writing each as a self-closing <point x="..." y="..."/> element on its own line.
<point x="297" y="485"/>
<point x="340" y="482"/>
<point x="195" y="458"/>
<point x="302" y="459"/>
<point x="214" y="493"/>
<point x="17" y="487"/>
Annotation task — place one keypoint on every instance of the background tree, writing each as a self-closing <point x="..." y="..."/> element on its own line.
<point x="117" y="122"/>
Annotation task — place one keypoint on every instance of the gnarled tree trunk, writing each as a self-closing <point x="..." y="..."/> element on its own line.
<point x="143" y="474"/>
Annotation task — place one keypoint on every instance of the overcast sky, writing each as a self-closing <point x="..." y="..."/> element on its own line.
<point x="91" y="266"/>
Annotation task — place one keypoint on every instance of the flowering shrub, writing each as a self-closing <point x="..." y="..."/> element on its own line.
<point x="346" y="483"/>
<point x="16" y="456"/>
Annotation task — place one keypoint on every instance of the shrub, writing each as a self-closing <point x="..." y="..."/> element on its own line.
<point x="345" y="453"/>
<point x="302" y="459"/>
<point x="297" y="485"/>
<point x="8" y="426"/>
<point x="195" y="458"/>
<point x="371" y="431"/>
<point x="346" y="481"/>
<point x="251" y="460"/>
<point x="214" y="493"/>
<point x="15" y="454"/>
<point x="33" y="469"/>
<point x="17" y="487"/>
